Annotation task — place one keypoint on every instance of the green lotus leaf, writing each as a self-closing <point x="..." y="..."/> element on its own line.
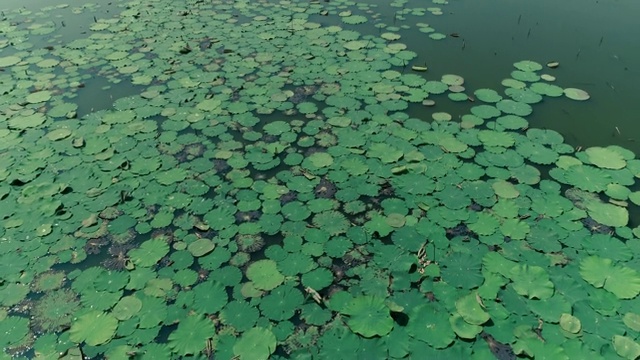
<point x="606" y="244"/>
<point x="525" y="174"/>
<point x="191" y="335"/>
<point x="256" y="344"/>
<point x="127" y="307"/>
<point x="295" y="211"/>
<point x="469" y="308"/>
<point x="201" y="247"/>
<point x="541" y="350"/>
<point x="545" y="136"/>
<point x="8" y="61"/>
<point x="441" y="116"/>
<point x="153" y="312"/>
<point x="537" y="153"/>
<point x="264" y="274"/>
<point x="512" y="122"/>
<point x="28" y="121"/>
<point x="605" y="158"/>
<point x="526" y="76"/>
<point x="337" y="247"/>
<point x="220" y="218"/>
<point x="412" y="80"/>
<point x="94" y="328"/>
<point x="486" y="224"/>
<point x="453" y="145"/>
<point x="281" y="303"/>
<point x="618" y="192"/>
<point x="39" y="96"/>
<point x="378" y="224"/>
<point x="158" y="287"/>
<point x="531" y="281"/>
<point x="385" y="152"/>
<point x="314" y="314"/>
<point x="13" y="293"/>
<point x="487" y="95"/>
<point x="14" y="330"/>
<point x="527" y="65"/>
<point x="462" y="270"/>
<point x="587" y="178"/>
<point x="622" y="281"/>
<point x="209" y="297"/>
<point x="608" y="214"/>
<point x="551" y="309"/>
<point x="61" y="110"/>
<point x="163" y="218"/>
<point x="576" y="94"/>
<point x="547" y="89"/>
<point x="209" y="104"/>
<point x="354" y="19"/>
<point x="435" y="87"/>
<point x="485" y="111"/>
<point x="332" y="222"/>
<point x="368" y="316"/>
<point x="396" y="220"/>
<point x="463" y="329"/>
<point x="626" y="347"/>
<point x="632" y="320"/>
<point x="149" y="252"/>
<point x="240" y="315"/>
<point x="570" y="323"/>
<point x="278" y="127"/>
<point x="496" y="138"/>
<point x="429" y="324"/>
<point x="318" y="279"/>
<point x="171" y="176"/>
<point x="515" y="229"/>
<point x="452" y="79"/>
<point x="307" y="108"/>
<point x="545" y="236"/>
<point x="508" y="106"/>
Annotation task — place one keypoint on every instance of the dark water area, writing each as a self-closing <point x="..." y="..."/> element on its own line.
<point x="593" y="41"/>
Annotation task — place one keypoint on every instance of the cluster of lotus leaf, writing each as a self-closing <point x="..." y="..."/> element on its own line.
<point x="271" y="183"/>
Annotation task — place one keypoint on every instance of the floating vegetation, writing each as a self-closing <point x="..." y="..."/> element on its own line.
<point x="266" y="194"/>
<point x="55" y="310"/>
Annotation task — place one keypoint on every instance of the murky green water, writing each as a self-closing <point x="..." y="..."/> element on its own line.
<point x="253" y="180"/>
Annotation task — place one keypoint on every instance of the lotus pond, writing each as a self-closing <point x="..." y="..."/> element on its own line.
<point x="293" y="180"/>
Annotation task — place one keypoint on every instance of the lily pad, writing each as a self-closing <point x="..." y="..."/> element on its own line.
<point x="149" y="252"/>
<point x="256" y="344"/>
<point x="368" y="316"/>
<point x="264" y="274"/>
<point x="576" y="94"/>
<point x="201" y="247"/>
<point x="94" y="328"/>
<point x="191" y="335"/>
<point x="600" y="272"/>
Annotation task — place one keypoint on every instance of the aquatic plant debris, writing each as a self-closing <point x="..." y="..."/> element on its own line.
<point x="262" y="191"/>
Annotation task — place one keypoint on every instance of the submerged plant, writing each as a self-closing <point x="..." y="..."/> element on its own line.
<point x="55" y="310"/>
